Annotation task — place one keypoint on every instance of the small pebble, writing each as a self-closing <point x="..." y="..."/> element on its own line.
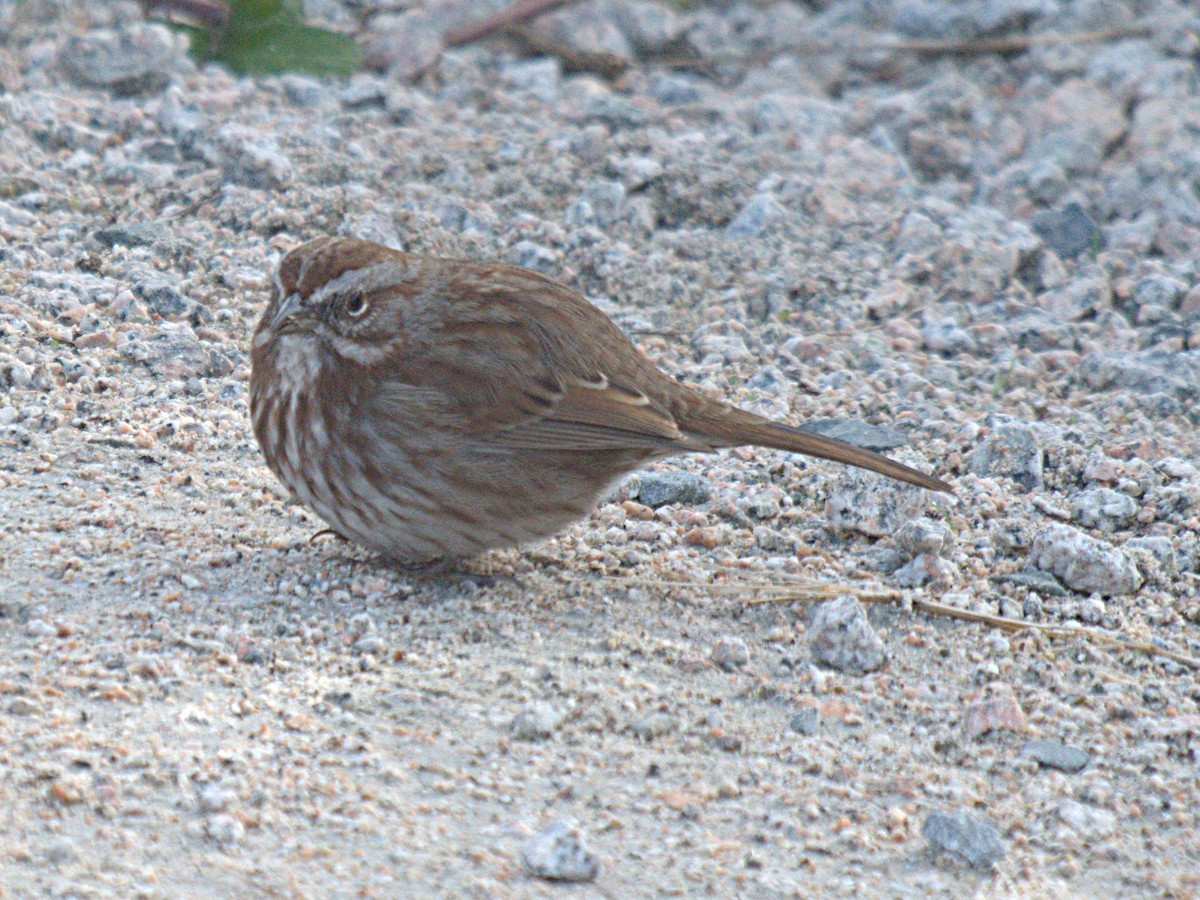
<point x="225" y="829"/>
<point x="535" y="722"/>
<point x="922" y="535"/>
<point x="1055" y="755"/>
<point x="1012" y="450"/>
<point x="730" y="654"/>
<point x="1001" y="713"/>
<point x="841" y="637"/>
<point x="559" y="853"/>
<point x="806" y="721"/>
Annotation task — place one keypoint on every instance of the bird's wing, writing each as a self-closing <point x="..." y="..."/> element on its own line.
<point x="510" y="375"/>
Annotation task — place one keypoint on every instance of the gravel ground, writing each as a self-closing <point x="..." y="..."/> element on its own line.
<point x="984" y="262"/>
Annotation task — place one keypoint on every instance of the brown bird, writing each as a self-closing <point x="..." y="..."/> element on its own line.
<point x="434" y="408"/>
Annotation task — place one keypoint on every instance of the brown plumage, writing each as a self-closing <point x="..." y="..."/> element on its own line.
<point x="435" y="408"/>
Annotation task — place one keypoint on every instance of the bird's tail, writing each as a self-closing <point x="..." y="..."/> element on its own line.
<point x="726" y="426"/>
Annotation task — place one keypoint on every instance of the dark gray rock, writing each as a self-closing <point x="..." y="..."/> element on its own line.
<point x="1056" y="755"/>
<point x="966" y="19"/>
<point x="1040" y="582"/>
<point x="970" y="837"/>
<point x="161" y="298"/>
<point x="1069" y="231"/>
<point x="871" y="437"/>
<point x="663" y="488"/>
<point x="141" y="235"/>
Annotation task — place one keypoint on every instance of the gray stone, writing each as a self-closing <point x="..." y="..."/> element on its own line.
<point x="650" y="26"/>
<point x="653" y="725"/>
<point x="927" y="569"/>
<point x="364" y="89"/>
<point x="60" y="851"/>
<point x="176" y="355"/>
<point x="15" y="216"/>
<point x="853" y="431"/>
<point x="161" y="298"/>
<point x="1158" y="290"/>
<point x="559" y="853"/>
<point x="225" y="829"/>
<point x="946" y="336"/>
<point x="587" y="27"/>
<point x="730" y="654"/>
<point x="922" y="535"/>
<point x="1077" y="299"/>
<point x="1075" y="126"/>
<point x="304" y="90"/>
<point x="1145" y="373"/>
<point x="672" y="89"/>
<point x="762" y="213"/>
<point x="1084" y="563"/>
<point x="529" y="255"/>
<point x="806" y="721"/>
<point x="1090" y="823"/>
<point x="253" y="159"/>
<point x="841" y="637"/>
<point x="405" y="44"/>
<point x="972" y="838"/>
<point x="130" y="60"/>
<point x="540" y="77"/>
<point x="140" y="235"/>
<point x="1103" y="509"/>
<point x="664" y="488"/>
<point x="1069" y="231"/>
<point x="966" y="18"/>
<point x="1056" y="755"/>
<point x="1041" y="582"/>
<point x="535" y="722"/>
<point x="606" y="198"/>
<point x="872" y="504"/>
<point x="1012" y="450"/>
<point x="1159" y="548"/>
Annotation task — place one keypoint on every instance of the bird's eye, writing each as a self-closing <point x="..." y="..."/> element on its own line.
<point x="355" y="305"/>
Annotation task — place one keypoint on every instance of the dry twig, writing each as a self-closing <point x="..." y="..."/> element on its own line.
<point x="499" y="21"/>
<point x="211" y="14"/>
<point x="606" y="65"/>
<point x="1012" y="43"/>
<point x="819" y="591"/>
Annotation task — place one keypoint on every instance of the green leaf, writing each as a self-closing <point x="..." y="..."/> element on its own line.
<point x="266" y="37"/>
<point x="201" y="41"/>
<point x="282" y="44"/>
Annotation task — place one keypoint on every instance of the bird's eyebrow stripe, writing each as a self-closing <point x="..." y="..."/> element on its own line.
<point x="366" y="281"/>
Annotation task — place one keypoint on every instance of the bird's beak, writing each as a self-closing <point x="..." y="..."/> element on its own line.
<point x="288" y="307"/>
